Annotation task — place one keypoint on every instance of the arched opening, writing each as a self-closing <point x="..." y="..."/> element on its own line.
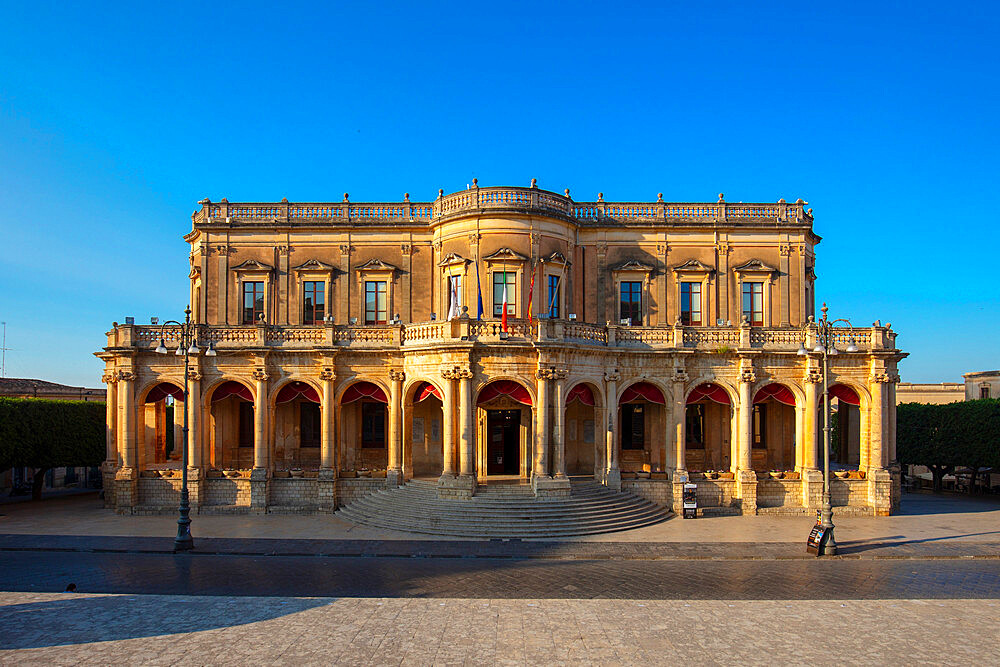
<point x="772" y="428"/>
<point x="423" y="455"/>
<point x="581" y="431"/>
<point x="364" y="427"/>
<point x="232" y="426"/>
<point x="297" y="427"/>
<point x="163" y="419"/>
<point x="708" y="429"/>
<point x="642" y="428"/>
<point x="845" y="424"/>
<point x="504" y="410"/>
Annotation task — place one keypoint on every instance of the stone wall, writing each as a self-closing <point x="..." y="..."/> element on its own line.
<point x="353" y="489"/>
<point x="292" y="492"/>
<point x="159" y="492"/>
<point x="656" y="491"/>
<point x="226" y="492"/>
<point x="716" y="492"/>
<point x="779" y="492"/>
<point x="848" y="492"/>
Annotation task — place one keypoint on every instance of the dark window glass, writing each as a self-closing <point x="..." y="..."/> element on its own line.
<point x="373" y="424"/>
<point x="633" y="426"/>
<point x="455" y="292"/>
<point x="499" y="277"/>
<point x="313" y="302"/>
<point x="309" y="424"/>
<point x="246" y="424"/>
<point x="753" y="303"/>
<point x="554" y="290"/>
<point x="631" y="300"/>
<point x="694" y="426"/>
<point x="376" y="302"/>
<point x="759" y="419"/>
<point x="253" y="302"/>
<point x="691" y="304"/>
<point x="984" y="392"/>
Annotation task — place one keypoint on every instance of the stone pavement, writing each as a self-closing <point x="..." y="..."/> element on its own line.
<point x="64" y="629"/>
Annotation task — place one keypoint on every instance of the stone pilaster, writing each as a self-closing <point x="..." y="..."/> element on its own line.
<point x="613" y="477"/>
<point x="540" y="467"/>
<point x="326" y="490"/>
<point x="260" y="477"/>
<point x="559" y="430"/>
<point x="327" y="456"/>
<point x="394" y="471"/>
<point x="746" y="489"/>
<point x="466" y="439"/>
<point x="810" y="432"/>
<point x="260" y="481"/>
<point x="445" y="483"/>
<point x="126" y="490"/>
<point x="678" y="423"/>
<point x="193" y="407"/>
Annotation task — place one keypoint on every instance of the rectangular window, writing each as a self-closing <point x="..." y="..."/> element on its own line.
<point x="753" y="303"/>
<point x="691" y="304"/>
<point x="554" y="290"/>
<point x="253" y="302"/>
<point x="759" y="419"/>
<point x="631" y="302"/>
<point x="455" y="293"/>
<point x="984" y="392"/>
<point x="313" y="302"/>
<point x="373" y="424"/>
<point x="500" y="278"/>
<point x="246" y="424"/>
<point x="309" y="424"/>
<point x="694" y="426"/>
<point x="376" y="302"/>
<point x="633" y="426"/>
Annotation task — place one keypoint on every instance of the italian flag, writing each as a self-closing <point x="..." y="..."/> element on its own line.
<point x="503" y="314"/>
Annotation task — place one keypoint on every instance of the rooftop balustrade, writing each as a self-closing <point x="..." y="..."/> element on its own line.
<point x="718" y="340"/>
<point x="507" y="199"/>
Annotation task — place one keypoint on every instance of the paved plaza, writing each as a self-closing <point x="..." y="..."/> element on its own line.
<point x="318" y="589"/>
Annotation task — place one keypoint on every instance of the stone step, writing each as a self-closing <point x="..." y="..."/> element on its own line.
<point x="373" y="509"/>
<point x="388" y="498"/>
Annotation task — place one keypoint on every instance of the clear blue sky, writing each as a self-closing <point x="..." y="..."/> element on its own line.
<point x="116" y="119"/>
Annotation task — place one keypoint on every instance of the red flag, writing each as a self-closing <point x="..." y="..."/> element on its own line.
<point x="503" y="315"/>
<point x="531" y="288"/>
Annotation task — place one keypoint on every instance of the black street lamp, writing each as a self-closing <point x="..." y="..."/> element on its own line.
<point x="826" y="348"/>
<point x="186" y="346"/>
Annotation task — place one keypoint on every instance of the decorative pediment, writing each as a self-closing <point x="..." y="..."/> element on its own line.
<point x="754" y="266"/>
<point x="314" y="265"/>
<point x="633" y="265"/>
<point x="693" y="266"/>
<point x="252" y="265"/>
<point x="506" y="255"/>
<point x="453" y="259"/>
<point x="557" y="258"/>
<point x="376" y="265"/>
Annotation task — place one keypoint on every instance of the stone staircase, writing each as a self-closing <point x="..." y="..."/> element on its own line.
<point x="504" y="511"/>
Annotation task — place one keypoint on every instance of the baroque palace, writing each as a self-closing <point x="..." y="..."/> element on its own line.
<point x="500" y="333"/>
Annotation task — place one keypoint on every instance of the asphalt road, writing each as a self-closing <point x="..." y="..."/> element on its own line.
<point x="187" y="574"/>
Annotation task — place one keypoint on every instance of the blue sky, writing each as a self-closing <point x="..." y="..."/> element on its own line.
<point x="116" y="119"/>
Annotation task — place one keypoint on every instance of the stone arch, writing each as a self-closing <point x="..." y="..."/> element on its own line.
<point x="774" y="426"/>
<point x="423" y="426"/>
<point x="355" y="379"/>
<point x="477" y="389"/>
<point x="583" y="436"/>
<point x="275" y="390"/>
<point x="505" y="429"/>
<point x="160" y="437"/>
<point x="709" y="435"/>
<point x="363" y="426"/>
<point x="849" y="444"/>
<point x="230" y="424"/>
<point x="295" y="424"/>
<point x="642" y="426"/>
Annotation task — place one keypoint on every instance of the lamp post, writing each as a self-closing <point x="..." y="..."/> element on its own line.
<point x="826" y="348"/>
<point x="186" y="346"/>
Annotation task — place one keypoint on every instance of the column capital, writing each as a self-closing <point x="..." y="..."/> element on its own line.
<point x="109" y="378"/>
<point x="327" y="374"/>
<point x="126" y="376"/>
<point x="260" y="374"/>
<point x="194" y="374"/>
<point x="883" y="377"/>
<point x="814" y="375"/>
<point x="680" y="375"/>
<point x="397" y="375"/>
<point x="612" y="376"/>
<point x="747" y="375"/>
<point x="545" y="374"/>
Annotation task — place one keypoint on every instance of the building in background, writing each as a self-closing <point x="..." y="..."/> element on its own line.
<point x="982" y="384"/>
<point x="499" y="333"/>
<point x="935" y="394"/>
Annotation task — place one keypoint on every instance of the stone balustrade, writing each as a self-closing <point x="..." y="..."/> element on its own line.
<point x="510" y="199"/>
<point x="542" y="332"/>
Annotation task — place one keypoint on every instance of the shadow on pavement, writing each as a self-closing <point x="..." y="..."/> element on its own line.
<point x="929" y="503"/>
<point x="889" y="542"/>
<point x="83" y="620"/>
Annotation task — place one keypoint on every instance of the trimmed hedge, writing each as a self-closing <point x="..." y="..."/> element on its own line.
<point x="43" y="434"/>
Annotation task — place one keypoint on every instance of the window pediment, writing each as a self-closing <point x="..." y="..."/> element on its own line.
<point x="693" y="266"/>
<point x="633" y="265"/>
<point x="314" y="265"/>
<point x="557" y="258"/>
<point x="376" y="265"/>
<point x="754" y="266"/>
<point x="253" y="266"/>
<point x="453" y="259"/>
<point x="506" y="255"/>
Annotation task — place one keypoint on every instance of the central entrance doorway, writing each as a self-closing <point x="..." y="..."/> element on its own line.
<point x="503" y="449"/>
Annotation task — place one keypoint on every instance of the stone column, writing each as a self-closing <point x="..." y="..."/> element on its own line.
<point x="876" y="430"/>
<point x="193" y="408"/>
<point x="126" y="478"/>
<point x="559" y="432"/>
<point x="541" y="461"/>
<point x="679" y="425"/>
<point x="111" y="459"/>
<point x="746" y="479"/>
<point x="326" y="480"/>
<point x="259" y="476"/>
<point x="394" y="472"/>
<point x="467" y="440"/>
<point x="810" y="429"/>
<point x="613" y="478"/>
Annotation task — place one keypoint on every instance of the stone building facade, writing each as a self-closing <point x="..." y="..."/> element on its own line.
<point x="363" y="344"/>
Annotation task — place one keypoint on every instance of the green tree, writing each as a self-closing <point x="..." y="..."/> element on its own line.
<point x="943" y="437"/>
<point x="45" y="434"/>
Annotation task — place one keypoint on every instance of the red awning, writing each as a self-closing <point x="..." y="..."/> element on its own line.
<point x="642" y="391"/>
<point x="845" y="393"/>
<point x="361" y="390"/>
<point x="231" y="388"/>
<point x="425" y="389"/>
<point x="505" y="388"/>
<point x="778" y="392"/>
<point x="293" y="390"/>
<point x="164" y="389"/>
<point x="709" y="391"/>
<point x="582" y="393"/>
